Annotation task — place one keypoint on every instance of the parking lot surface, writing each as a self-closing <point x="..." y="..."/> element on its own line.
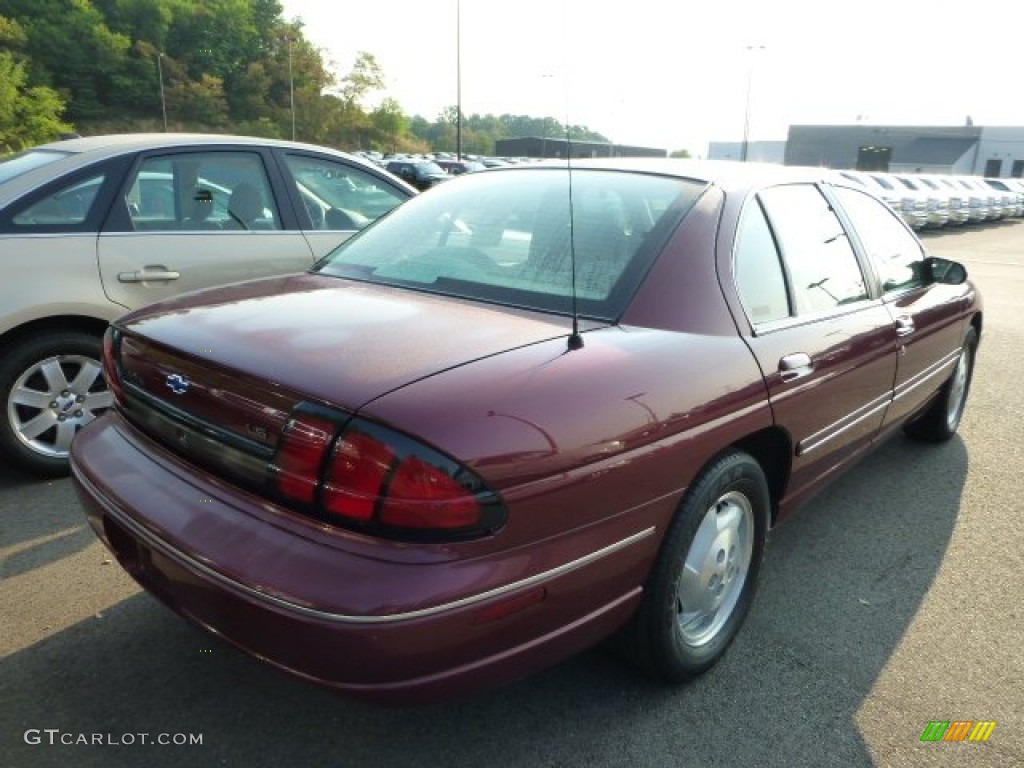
<point x="891" y="600"/>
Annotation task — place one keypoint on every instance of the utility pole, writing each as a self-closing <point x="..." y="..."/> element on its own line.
<point x="291" y="85"/>
<point x="163" y="98"/>
<point x="746" y="112"/>
<point x="458" y="80"/>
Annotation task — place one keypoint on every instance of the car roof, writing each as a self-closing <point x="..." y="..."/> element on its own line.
<point x="84" y="151"/>
<point x="116" y="143"/>
<point x="723" y="173"/>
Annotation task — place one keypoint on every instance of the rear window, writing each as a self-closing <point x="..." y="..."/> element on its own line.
<point x="23" y="162"/>
<point x="505" y="237"/>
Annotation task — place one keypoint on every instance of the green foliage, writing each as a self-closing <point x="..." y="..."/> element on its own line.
<point x="366" y="76"/>
<point x="12" y="35"/>
<point x="28" y="115"/>
<point x="200" y="103"/>
<point x="681" y="153"/>
<point x="224" y="66"/>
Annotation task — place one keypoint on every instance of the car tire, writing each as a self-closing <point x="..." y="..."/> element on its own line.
<point x="50" y="387"/>
<point x="703" y="580"/>
<point x="942" y="418"/>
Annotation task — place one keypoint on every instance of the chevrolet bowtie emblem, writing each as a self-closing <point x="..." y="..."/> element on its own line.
<point x="178" y="384"/>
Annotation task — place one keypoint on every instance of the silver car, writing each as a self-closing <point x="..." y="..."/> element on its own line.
<point x="93" y="227"/>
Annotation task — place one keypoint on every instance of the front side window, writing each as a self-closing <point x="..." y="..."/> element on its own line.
<point x="822" y="266"/>
<point x="338" y="196"/>
<point x="894" y="250"/>
<point x="198" y="191"/>
<point x="505" y="237"/>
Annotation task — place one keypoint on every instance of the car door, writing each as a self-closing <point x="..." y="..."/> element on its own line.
<point x="194" y="218"/>
<point x="824" y="343"/>
<point x="48" y="242"/>
<point x="337" y="199"/>
<point x="928" y="315"/>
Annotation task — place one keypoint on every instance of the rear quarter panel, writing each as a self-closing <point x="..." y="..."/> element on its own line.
<point x="619" y="427"/>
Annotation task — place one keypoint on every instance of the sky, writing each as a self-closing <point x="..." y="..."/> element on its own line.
<point x="676" y="75"/>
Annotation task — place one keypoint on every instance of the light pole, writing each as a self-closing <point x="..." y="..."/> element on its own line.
<point x="291" y="85"/>
<point x="746" y="111"/>
<point x="163" y="99"/>
<point x="458" y="80"/>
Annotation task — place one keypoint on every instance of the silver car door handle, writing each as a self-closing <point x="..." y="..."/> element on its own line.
<point x="904" y="325"/>
<point x="795" y="366"/>
<point x="148" y="274"/>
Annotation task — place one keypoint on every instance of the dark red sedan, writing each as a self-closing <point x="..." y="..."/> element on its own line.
<point x="532" y="410"/>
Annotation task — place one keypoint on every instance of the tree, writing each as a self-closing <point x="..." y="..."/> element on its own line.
<point x="390" y="122"/>
<point x="681" y="153"/>
<point x="366" y="76"/>
<point x="12" y="35"/>
<point x="200" y="104"/>
<point x="72" y="49"/>
<point x="28" y="115"/>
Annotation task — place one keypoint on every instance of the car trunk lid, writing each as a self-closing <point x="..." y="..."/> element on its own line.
<point x="216" y="378"/>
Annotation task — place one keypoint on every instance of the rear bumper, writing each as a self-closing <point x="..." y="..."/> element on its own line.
<point x="398" y="627"/>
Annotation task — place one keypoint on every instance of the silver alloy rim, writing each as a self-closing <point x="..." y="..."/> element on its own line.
<point x="715" y="569"/>
<point x="957" y="391"/>
<point x="55" y="398"/>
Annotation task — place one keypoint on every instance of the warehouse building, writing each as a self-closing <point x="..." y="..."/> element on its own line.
<point x="539" y="146"/>
<point x="968" y="149"/>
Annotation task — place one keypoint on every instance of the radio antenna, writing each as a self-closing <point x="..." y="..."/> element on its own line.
<point x="575" y="338"/>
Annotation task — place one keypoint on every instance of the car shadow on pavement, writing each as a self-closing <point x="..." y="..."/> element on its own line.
<point x="36" y="528"/>
<point x="843" y="579"/>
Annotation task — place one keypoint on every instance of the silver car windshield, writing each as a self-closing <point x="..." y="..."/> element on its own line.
<point x="504" y="237"/>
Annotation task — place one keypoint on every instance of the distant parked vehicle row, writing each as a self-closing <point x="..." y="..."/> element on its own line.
<point x="424" y="171"/>
<point x="937" y="200"/>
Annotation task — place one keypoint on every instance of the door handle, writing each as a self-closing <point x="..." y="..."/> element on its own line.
<point x="904" y="325"/>
<point x="795" y="366"/>
<point x="148" y="274"/>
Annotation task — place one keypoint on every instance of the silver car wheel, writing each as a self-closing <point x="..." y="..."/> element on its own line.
<point x="53" y="399"/>
<point x="958" y="391"/>
<point x="715" y="569"/>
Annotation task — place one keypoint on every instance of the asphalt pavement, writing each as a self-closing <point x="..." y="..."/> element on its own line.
<point x="891" y="600"/>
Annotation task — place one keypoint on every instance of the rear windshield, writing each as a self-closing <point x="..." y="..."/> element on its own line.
<point x="504" y="237"/>
<point x="429" y="168"/>
<point x="23" y="162"/>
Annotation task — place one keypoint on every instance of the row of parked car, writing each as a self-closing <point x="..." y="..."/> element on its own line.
<point x="426" y="171"/>
<point x="936" y="200"/>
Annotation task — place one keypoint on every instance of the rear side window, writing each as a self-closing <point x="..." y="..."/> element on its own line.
<point x="759" y="277"/>
<point x="66" y="208"/>
<point x="822" y="266"/>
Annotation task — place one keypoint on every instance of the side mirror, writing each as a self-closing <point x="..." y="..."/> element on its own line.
<point x="946" y="271"/>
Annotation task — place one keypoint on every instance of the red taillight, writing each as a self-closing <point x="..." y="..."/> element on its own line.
<point x="300" y="456"/>
<point x="111" y="368"/>
<point x="356" y="477"/>
<point x="379" y="481"/>
<point x="371" y="480"/>
<point x="423" y="496"/>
